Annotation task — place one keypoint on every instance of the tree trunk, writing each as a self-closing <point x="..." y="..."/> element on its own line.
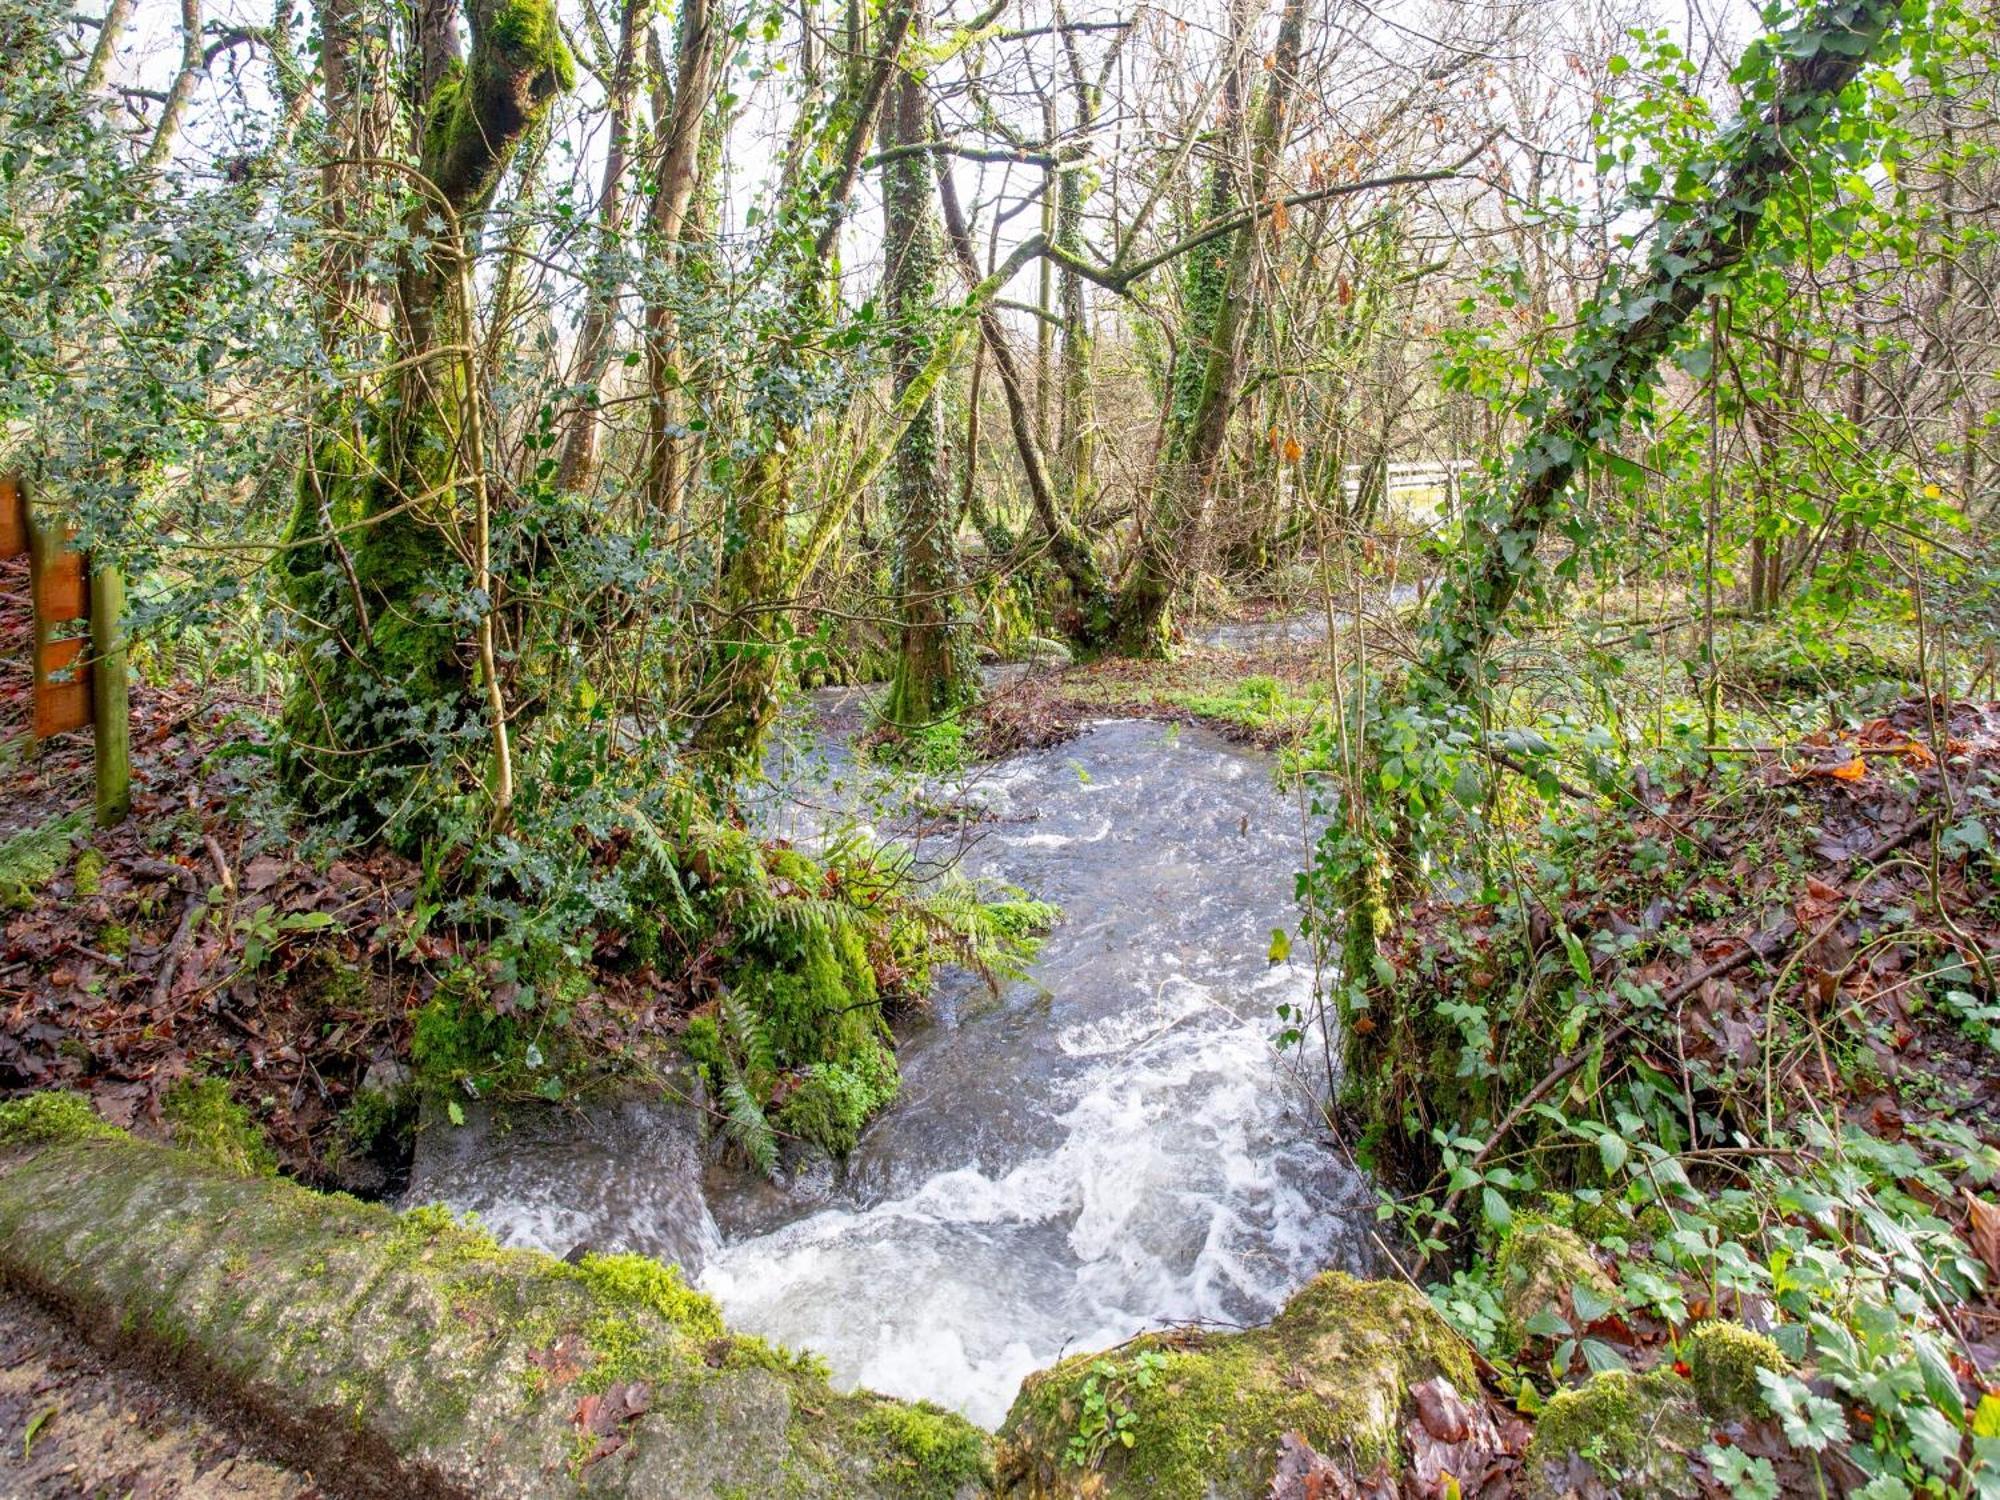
<point x="738" y="695"/>
<point x="675" y="180"/>
<point x="934" y="674"/>
<point x="1630" y="328"/>
<point x="392" y="500"/>
<point x="1221" y="311"/>
<point x="578" y="468"/>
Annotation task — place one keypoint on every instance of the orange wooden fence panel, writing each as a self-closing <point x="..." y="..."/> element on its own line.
<point x="13" y="517"/>
<point x="61" y="593"/>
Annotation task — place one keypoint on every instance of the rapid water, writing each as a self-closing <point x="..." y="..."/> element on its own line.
<point x="1106" y="1146"/>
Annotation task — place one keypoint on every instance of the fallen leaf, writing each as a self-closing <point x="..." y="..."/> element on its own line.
<point x="1453" y="1443"/>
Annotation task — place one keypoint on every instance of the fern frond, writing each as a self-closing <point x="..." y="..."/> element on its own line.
<point x="749" y="1038"/>
<point x="749" y="1128"/>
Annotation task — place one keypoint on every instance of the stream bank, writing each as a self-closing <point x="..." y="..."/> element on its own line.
<point x="399" y="1355"/>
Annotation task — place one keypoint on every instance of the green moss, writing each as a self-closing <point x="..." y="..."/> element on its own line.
<point x="835" y="1100"/>
<point x="51" y="1115"/>
<point x="1335" y="1366"/>
<point x="30" y="859"/>
<point x="1637" y="1431"/>
<point x="637" y="1281"/>
<point x="939" y="1450"/>
<point x="528" y="29"/>
<point x="86" y="879"/>
<point x="206" y="1121"/>
<point x="1723" y="1360"/>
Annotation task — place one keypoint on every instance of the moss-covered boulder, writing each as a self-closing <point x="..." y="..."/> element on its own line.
<point x="1723" y="1360"/>
<point x="1634" y="1435"/>
<point x="1185" y="1415"/>
<point x="1540" y="1266"/>
<point x="412" y="1355"/>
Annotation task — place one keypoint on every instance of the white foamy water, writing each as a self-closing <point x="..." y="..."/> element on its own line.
<point x="1108" y="1147"/>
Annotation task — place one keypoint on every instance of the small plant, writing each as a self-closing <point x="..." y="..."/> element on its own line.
<point x="1108" y="1413"/>
<point x="263" y="930"/>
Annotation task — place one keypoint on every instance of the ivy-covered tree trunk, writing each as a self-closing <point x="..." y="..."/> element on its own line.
<point x="1625" y="332"/>
<point x="387" y="567"/>
<point x="1221" y="310"/>
<point x="1631" y="326"/>
<point x="934" y="675"/>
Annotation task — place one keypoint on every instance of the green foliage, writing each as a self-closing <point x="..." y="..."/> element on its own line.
<point x="1106" y="1409"/>
<point x="31" y="858"/>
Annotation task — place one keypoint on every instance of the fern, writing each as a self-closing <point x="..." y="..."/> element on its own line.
<point x="749" y="1039"/>
<point x="749" y="1127"/>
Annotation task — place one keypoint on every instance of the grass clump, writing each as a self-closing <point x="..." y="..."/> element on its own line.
<point x="208" y="1123"/>
<point x="51" y="1115"/>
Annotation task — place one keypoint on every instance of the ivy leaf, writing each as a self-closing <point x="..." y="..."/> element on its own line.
<point x="1612" y="1150"/>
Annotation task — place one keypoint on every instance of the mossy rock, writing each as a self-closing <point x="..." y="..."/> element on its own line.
<point x="1723" y="1360"/>
<point x="1540" y="1265"/>
<point x="412" y="1355"/>
<point x="1637" y="1434"/>
<point x="1336" y="1366"/>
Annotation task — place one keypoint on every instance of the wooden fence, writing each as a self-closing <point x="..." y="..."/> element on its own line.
<point x="74" y="602"/>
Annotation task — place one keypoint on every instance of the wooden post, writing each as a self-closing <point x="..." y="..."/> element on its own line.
<point x="110" y="700"/>
<point x="13" y="517"/>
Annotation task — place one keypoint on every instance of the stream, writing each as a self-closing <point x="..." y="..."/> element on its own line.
<point x="1105" y="1146"/>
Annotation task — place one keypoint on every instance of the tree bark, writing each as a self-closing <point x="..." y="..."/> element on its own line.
<point x="578" y="467"/>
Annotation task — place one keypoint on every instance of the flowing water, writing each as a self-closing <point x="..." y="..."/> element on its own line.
<point x="1105" y="1146"/>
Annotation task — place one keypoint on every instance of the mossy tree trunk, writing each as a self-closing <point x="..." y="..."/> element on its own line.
<point x="1221" y="310"/>
<point x="390" y="528"/>
<point x="737" y="697"/>
<point x="934" y="676"/>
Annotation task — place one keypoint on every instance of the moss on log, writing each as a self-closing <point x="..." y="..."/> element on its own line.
<point x="407" y="1354"/>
